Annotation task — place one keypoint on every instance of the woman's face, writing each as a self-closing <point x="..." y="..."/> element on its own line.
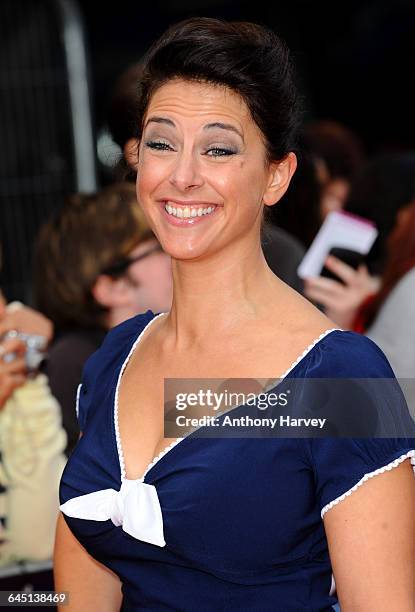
<point x="202" y="171"/>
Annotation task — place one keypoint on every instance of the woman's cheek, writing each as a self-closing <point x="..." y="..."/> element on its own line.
<point x="148" y="179"/>
<point x="227" y="180"/>
<point x="241" y="185"/>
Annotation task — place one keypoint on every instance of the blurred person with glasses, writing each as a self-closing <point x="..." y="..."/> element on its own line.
<point x="97" y="264"/>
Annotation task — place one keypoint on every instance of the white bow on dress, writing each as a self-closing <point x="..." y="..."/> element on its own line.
<point x="135" y="506"/>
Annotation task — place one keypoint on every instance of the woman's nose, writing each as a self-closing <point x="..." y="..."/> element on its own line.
<point x="185" y="174"/>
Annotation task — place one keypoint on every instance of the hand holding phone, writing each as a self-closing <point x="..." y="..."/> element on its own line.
<point x="348" y="235"/>
<point x="342" y="295"/>
<point x="349" y="257"/>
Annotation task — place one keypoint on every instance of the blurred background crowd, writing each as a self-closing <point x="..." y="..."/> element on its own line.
<point x="77" y="255"/>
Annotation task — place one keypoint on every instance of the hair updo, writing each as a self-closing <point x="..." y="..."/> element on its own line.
<point x="249" y="59"/>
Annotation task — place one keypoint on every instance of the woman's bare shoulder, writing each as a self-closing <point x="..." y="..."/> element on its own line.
<point x="298" y="317"/>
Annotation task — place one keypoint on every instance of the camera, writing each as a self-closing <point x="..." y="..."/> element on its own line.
<point x="35" y="349"/>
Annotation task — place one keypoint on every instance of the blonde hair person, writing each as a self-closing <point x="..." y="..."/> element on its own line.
<point x="32" y="441"/>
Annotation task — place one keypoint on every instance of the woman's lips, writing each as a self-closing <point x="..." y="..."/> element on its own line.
<point x="188" y="213"/>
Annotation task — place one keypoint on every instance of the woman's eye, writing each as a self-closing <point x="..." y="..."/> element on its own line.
<point x="219" y="152"/>
<point x="157" y="145"/>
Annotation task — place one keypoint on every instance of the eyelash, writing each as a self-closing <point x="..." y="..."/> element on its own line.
<point x="157" y="145"/>
<point x="164" y="146"/>
<point x="223" y="152"/>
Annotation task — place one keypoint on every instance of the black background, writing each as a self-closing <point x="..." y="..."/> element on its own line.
<point x="356" y="60"/>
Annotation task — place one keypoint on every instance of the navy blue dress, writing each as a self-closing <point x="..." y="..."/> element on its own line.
<point x="218" y="523"/>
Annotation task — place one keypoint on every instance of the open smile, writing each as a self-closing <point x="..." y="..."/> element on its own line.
<point x="188" y="213"/>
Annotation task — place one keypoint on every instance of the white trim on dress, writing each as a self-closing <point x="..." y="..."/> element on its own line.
<point x="180" y="439"/>
<point x="307" y="350"/>
<point x="78" y="394"/>
<point x="389" y="466"/>
<point x="116" y="425"/>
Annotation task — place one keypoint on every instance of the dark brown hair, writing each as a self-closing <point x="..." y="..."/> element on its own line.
<point x="89" y="234"/>
<point x="249" y="59"/>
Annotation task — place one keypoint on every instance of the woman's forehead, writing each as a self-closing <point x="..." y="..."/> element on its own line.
<point x="194" y="100"/>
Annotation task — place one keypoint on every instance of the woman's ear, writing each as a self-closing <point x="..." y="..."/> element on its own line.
<point x="281" y="173"/>
<point x="131" y="153"/>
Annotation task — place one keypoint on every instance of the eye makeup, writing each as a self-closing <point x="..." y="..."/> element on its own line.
<point x="158" y="145"/>
<point x="205" y="143"/>
<point x="220" y="151"/>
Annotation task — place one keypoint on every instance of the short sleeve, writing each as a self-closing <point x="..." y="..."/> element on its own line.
<point x="342" y="465"/>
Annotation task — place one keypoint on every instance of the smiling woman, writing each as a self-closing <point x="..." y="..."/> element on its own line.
<point x="198" y="176"/>
<point x="216" y="129"/>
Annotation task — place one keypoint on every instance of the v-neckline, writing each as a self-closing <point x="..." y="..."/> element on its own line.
<point x="170" y="447"/>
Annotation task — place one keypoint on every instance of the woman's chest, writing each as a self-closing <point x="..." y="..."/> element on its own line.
<point x="149" y="387"/>
<point x="239" y="500"/>
<point x="232" y="504"/>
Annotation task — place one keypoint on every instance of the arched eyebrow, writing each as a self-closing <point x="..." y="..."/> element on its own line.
<point x="160" y="120"/>
<point x="223" y="126"/>
<point x="209" y="126"/>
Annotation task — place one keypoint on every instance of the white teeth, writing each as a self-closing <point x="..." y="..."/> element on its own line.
<point x="187" y="211"/>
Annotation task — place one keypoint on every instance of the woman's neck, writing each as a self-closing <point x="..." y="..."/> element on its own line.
<point x="215" y="296"/>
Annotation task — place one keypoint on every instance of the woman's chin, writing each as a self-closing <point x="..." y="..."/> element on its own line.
<point x="186" y="254"/>
<point x="185" y="251"/>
